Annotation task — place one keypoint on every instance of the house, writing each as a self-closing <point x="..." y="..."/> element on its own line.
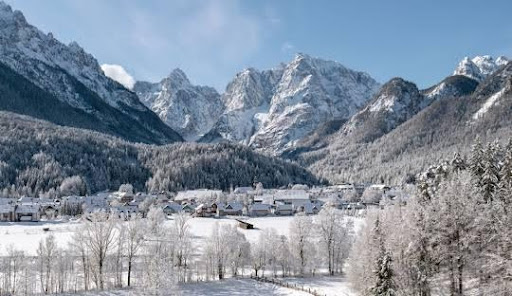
<point x="28" y="200"/>
<point x="200" y="195"/>
<point x="283" y="210"/>
<point x="259" y="210"/>
<point x="208" y="209"/>
<point x="293" y="197"/>
<point x="187" y="208"/>
<point x="27" y="212"/>
<point x="265" y="198"/>
<point x="245" y="225"/>
<point x="174" y="208"/>
<point x="243" y="190"/>
<point x="123" y="197"/>
<point x="232" y="208"/>
<point x="99" y="200"/>
<point x="308" y="209"/>
<point x="380" y="188"/>
<point x="7" y="212"/>
<point x="125" y="212"/>
<point x="50" y="211"/>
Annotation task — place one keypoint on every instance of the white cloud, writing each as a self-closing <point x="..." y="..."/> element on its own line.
<point x="119" y="74"/>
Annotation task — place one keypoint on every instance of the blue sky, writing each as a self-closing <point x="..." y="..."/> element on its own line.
<point x="211" y="40"/>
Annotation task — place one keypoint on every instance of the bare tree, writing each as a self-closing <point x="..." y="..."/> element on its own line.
<point x="99" y="236"/>
<point x="134" y="235"/>
<point x="46" y="253"/>
<point x="182" y="242"/>
<point x="333" y="234"/>
<point x="301" y="242"/>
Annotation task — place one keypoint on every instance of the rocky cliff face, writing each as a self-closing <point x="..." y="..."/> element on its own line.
<point x="75" y="78"/>
<point x="480" y="67"/>
<point x="272" y="110"/>
<point x="188" y="109"/>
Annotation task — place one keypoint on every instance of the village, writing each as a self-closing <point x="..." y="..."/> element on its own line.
<point x="253" y="201"/>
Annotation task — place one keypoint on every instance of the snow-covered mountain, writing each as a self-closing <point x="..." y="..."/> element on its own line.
<point x="75" y="78"/>
<point x="247" y="99"/>
<point x="480" y="67"/>
<point x="188" y="109"/>
<point x="451" y="86"/>
<point x="272" y="110"/>
<point x="396" y="101"/>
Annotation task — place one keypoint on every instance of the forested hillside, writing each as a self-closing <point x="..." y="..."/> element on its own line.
<point x="446" y="126"/>
<point x="37" y="157"/>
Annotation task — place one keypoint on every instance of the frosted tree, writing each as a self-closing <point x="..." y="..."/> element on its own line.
<point x="269" y="239"/>
<point x="301" y="245"/>
<point x="46" y="252"/>
<point x="239" y="251"/>
<point x="99" y="237"/>
<point x="505" y="183"/>
<point x="454" y="218"/>
<point x="74" y="185"/>
<point x="133" y="230"/>
<point x="363" y="256"/>
<point x="458" y="163"/>
<point x="489" y="178"/>
<point x="14" y="263"/>
<point x="158" y="277"/>
<point x="334" y="236"/>
<point x="259" y="255"/>
<point x="382" y="271"/>
<point x="155" y="219"/>
<point x="476" y="164"/>
<point x="218" y="247"/>
<point x="283" y="255"/>
<point x="182" y="238"/>
<point x="126" y="188"/>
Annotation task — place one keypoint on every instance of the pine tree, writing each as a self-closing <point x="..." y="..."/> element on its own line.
<point x="491" y="172"/>
<point x="458" y="163"/>
<point x="505" y="184"/>
<point x="383" y="272"/>
<point x="476" y="165"/>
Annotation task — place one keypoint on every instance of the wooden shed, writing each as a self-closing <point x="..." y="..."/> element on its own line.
<point x="245" y="225"/>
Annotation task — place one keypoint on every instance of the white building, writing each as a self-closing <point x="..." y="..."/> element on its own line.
<point x="200" y="195"/>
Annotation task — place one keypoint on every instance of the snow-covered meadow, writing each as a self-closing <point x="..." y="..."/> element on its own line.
<point x="26" y="237"/>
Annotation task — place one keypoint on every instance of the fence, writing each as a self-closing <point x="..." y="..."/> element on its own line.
<point x="287" y="285"/>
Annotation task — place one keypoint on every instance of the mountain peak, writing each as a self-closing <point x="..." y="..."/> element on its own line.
<point x="480" y="67"/>
<point x="8" y="15"/>
<point x="177" y="78"/>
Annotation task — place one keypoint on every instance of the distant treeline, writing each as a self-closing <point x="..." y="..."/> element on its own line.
<point x="40" y="158"/>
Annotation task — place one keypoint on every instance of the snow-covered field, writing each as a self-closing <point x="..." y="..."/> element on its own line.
<point x="26" y="236"/>
<point x="236" y="287"/>
<point x="229" y="287"/>
<point x="324" y="285"/>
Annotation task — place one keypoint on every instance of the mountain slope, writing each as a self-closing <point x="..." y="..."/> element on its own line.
<point x="74" y="77"/>
<point x="36" y="156"/>
<point x="480" y="67"/>
<point x="188" y="109"/>
<point x="447" y="125"/>
<point x="246" y="98"/>
<point x="272" y="110"/>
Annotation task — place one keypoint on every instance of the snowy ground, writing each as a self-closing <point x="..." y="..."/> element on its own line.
<point x="234" y="287"/>
<point x="26" y="236"/>
<point x="324" y="285"/>
<point x="229" y="287"/>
